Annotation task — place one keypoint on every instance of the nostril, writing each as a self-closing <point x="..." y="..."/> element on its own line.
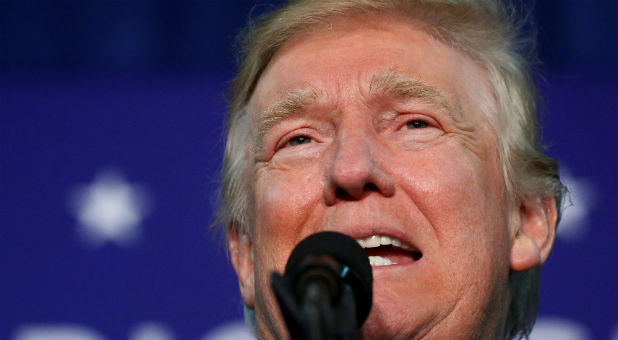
<point x="349" y="196"/>
<point x="370" y="187"/>
<point x="341" y="193"/>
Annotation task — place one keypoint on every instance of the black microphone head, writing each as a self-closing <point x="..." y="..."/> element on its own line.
<point x="356" y="270"/>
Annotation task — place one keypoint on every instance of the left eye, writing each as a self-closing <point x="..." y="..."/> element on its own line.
<point x="417" y="124"/>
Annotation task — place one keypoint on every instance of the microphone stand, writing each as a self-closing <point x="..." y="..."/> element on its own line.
<point x="316" y="313"/>
<point x="326" y="289"/>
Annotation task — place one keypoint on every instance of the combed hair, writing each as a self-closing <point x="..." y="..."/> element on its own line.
<point x="486" y="31"/>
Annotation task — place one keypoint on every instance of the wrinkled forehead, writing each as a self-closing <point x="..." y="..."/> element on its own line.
<point x="356" y="46"/>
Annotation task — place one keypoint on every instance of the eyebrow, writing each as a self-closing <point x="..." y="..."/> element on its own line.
<point x="401" y="86"/>
<point x="390" y="82"/>
<point x="293" y="103"/>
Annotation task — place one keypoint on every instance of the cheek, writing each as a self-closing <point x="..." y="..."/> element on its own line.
<point x="284" y="197"/>
<point x="284" y="201"/>
<point x="457" y="195"/>
<point x="461" y="196"/>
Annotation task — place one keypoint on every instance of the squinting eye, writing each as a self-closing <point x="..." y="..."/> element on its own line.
<point x="416" y="124"/>
<point x="299" y="140"/>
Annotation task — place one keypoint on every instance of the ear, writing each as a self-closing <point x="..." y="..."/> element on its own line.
<point x="241" y="252"/>
<point x="535" y="236"/>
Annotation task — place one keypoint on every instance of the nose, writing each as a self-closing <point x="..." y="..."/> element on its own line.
<point x="354" y="172"/>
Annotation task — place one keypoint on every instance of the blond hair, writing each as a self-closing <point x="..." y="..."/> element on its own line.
<point x="482" y="29"/>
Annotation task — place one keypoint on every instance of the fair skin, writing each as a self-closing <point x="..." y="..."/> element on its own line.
<point x="387" y="134"/>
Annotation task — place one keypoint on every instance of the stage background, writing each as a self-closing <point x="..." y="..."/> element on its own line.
<point x="110" y="142"/>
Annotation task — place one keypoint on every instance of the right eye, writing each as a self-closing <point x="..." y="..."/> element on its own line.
<point x="299" y="140"/>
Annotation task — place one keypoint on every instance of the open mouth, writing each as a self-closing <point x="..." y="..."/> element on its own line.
<point x="387" y="250"/>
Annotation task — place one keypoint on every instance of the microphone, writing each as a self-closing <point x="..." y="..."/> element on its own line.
<point x="326" y="290"/>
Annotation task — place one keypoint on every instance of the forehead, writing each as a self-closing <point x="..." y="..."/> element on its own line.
<point x="345" y="54"/>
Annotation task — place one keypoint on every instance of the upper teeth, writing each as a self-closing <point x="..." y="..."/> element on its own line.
<point x="374" y="241"/>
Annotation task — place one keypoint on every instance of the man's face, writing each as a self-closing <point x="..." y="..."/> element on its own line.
<point x="372" y="128"/>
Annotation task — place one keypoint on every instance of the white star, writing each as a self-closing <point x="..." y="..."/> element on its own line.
<point x="578" y="203"/>
<point x="230" y="330"/>
<point x="548" y="327"/>
<point x="109" y="209"/>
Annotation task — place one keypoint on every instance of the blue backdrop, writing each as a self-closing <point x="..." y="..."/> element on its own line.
<point x="110" y="142"/>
